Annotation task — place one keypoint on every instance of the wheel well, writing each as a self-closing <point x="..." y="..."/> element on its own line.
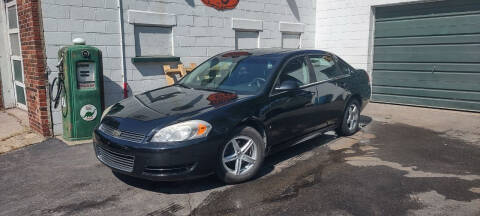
<point x="353" y="97"/>
<point x="257" y="126"/>
<point x="357" y="98"/>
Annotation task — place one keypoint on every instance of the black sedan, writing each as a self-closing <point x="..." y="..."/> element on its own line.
<point x="230" y="112"/>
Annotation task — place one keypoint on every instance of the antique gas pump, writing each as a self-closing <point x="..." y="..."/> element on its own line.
<point x="79" y="89"/>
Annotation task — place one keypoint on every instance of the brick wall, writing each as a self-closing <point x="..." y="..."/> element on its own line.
<point x="30" y="27"/>
<point x="344" y="27"/>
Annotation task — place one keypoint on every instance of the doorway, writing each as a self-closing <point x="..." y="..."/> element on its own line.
<point x="15" y="54"/>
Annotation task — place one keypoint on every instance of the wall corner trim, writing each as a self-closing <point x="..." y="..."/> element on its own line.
<point x="151" y="18"/>
<point x="291" y="27"/>
<point x="247" y="24"/>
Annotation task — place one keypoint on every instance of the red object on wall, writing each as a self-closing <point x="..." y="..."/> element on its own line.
<point x="221" y="4"/>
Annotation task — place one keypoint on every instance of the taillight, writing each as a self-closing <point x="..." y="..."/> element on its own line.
<point x="368" y="76"/>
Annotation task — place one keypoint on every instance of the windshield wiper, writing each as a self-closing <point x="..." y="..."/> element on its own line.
<point x="183" y="85"/>
<point x="217" y="90"/>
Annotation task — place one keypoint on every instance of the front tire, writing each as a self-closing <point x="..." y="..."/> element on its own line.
<point x="351" y="115"/>
<point x="241" y="157"/>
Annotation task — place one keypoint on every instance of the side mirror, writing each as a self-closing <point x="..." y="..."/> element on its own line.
<point x="287" y="85"/>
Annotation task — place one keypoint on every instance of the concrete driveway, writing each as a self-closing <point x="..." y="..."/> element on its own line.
<point x="405" y="161"/>
<point x="15" y="131"/>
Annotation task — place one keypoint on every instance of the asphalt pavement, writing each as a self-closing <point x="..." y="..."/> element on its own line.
<point x="396" y="165"/>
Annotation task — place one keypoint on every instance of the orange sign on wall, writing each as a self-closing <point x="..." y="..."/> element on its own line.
<point x="221" y="4"/>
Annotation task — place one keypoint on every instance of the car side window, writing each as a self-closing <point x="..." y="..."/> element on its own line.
<point x="344" y="67"/>
<point x="324" y="67"/>
<point x="297" y="70"/>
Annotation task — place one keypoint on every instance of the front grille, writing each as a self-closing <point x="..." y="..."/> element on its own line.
<point x="116" y="160"/>
<point x="123" y="135"/>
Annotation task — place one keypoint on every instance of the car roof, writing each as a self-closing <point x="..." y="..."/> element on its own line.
<point x="276" y="52"/>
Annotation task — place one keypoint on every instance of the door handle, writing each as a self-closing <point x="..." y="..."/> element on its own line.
<point x="342" y="84"/>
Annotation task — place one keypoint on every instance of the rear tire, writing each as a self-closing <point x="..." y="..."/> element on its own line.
<point x="240" y="158"/>
<point x="351" y="116"/>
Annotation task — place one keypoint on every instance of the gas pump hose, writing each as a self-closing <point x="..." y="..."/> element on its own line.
<point x="60" y="88"/>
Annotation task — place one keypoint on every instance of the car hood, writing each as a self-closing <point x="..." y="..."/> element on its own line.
<point x="165" y="105"/>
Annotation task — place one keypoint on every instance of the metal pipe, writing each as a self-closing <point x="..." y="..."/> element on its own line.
<point x="122" y="38"/>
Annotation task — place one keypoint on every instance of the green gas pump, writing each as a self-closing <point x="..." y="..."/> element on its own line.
<point x="81" y="79"/>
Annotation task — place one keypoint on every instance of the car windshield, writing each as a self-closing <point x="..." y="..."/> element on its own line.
<point x="241" y="74"/>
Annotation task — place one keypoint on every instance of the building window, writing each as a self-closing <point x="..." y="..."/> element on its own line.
<point x="12" y="17"/>
<point x="15" y="44"/>
<point x="153" y="41"/>
<point x="246" y="39"/>
<point x="291" y="40"/>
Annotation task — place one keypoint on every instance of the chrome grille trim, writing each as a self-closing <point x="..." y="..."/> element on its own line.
<point x="114" y="159"/>
<point x="124" y="135"/>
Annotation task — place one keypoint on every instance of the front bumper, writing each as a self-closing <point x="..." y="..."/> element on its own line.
<point x="185" y="161"/>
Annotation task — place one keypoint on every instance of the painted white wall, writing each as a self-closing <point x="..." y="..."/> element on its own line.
<point x="198" y="33"/>
<point x="345" y="27"/>
<point x="96" y="21"/>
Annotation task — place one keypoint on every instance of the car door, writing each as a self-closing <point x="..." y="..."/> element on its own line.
<point x="345" y="79"/>
<point x="292" y="113"/>
<point x="330" y="92"/>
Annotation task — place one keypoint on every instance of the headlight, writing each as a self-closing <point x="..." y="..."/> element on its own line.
<point x="105" y="112"/>
<point x="183" y="131"/>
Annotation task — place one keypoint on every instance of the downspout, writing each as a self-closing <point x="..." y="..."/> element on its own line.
<point x="122" y="38"/>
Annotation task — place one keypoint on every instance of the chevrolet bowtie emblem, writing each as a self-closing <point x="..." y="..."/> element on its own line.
<point x="116" y="133"/>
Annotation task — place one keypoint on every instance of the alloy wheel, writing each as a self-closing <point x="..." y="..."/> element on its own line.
<point x="239" y="155"/>
<point x="353" y="115"/>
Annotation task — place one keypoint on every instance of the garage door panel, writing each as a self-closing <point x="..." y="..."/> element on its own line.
<point x="466" y="82"/>
<point x="430" y="102"/>
<point x="467" y="24"/>
<point x="429" y="40"/>
<point x="427" y="9"/>
<point x="464" y="10"/>
<point x="461" y="53"/>
<point x="429" y="67"/>
<point x="429" y="93"/>
<point x="428" y="54"/>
